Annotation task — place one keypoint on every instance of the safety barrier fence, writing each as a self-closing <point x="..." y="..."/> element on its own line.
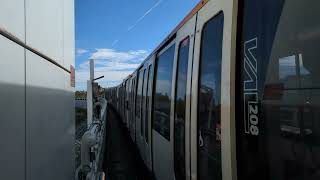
<point x="93" y="146"/>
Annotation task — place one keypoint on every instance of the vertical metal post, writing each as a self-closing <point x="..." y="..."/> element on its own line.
<point x="90" y="94"/>
<point x="91" y="70"/>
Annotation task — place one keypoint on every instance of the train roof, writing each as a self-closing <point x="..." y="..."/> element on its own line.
<point x="172" y="34"/>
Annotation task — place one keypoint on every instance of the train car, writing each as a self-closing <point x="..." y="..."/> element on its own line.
<point x="232" y="93"/>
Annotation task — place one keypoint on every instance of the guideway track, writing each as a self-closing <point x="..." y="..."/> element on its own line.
<point x="122" y="160"/>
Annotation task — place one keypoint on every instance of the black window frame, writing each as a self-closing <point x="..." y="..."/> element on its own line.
<point x="143" y="103"/>
<point x="221" y="13"/>
<point x="183" y="176"/>
<point x="168" y="46"/>
<point x="148" y="100"/>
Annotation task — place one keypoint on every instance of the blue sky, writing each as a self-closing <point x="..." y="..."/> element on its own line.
<point x="120" y="34"/>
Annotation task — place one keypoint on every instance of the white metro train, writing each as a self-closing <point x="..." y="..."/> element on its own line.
<point x="232" y="93"/>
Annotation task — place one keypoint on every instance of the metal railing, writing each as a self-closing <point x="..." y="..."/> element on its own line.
<point x="93" y="146"/>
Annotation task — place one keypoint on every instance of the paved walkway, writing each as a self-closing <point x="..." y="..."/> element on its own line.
<point x="122" y="161"/>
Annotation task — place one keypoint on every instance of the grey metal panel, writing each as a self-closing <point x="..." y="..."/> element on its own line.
<point x="162" y="157"/>
<point x="70" y="116"/>
<point x="50" y="121"/>
<point x="12" y="111"/>
<point x="12" y="17"/>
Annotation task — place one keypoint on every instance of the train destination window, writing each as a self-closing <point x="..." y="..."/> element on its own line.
<point x="162" y="95"/>
<point x="209" y="121"/>
<point x="180" y="111"/>
<point x="148" y="100"/>
<point x="279" y="130"/>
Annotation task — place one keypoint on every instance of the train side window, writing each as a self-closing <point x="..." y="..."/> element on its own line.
<point x="162" y="95"/>
<point x="180" y="111"/>
<point x="148" y="100"/>
<point x="209" y="126"/>
<point x="143" y="97"/>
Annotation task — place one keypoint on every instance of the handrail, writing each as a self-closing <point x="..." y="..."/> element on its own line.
<point x="15" y="39"/>
<point x="93" y="147"/>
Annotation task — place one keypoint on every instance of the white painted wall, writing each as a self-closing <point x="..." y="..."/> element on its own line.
<point x="12" y="111"/>
<point x="37" y="101"/>
<point x="12" y="17"/>
<point x="44" y="27"/>
<point x="49" y="123"/>
<point x="69" y="31"/>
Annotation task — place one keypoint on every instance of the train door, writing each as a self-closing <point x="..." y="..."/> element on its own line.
<point x="139" y="124"/>
<point x="133" y="110"/>
<point x="118" y="98"/>
<point x="181" y="104"/>
<point x="147" y="118"/>
<point x="212" y="124"/>
<point x="124" y="94"/>
<point x="162" y="129"/>
<point x="124" y="102"/>
<point x="278" y="130"/>
<point x="127" y="106"/>
<point x="121" y="101"/>
<point x="143" y="113"/>
<point x="123" y="98"/>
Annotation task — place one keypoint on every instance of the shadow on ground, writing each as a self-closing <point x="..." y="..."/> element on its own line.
<point x="122" y="160"/>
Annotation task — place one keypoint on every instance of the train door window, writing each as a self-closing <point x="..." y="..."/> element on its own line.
<point x="121" y="97"/>
<point x="126" y="99"/>
<point x="130" y="101"/>
<point x="139" y="94"/>
<point x="148" y="100"/>
<point x="180" y="111"/>
<point x="162" y="95"/>
<point x="279" y="129"/>
<point x="132" y="93"/>
<point x="135" y="96"/>
<point x="124" y="96"/>
<point x="209" y="126"/>
<point x="133" y="102"/>
<point x="129" y="94"/>
<point x="143" y="102"/>
<point x="134" y="90"/>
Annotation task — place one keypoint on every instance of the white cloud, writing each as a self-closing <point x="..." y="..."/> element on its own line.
<point x="119" y="56"/>
<point x="81" y="51"/>
<point x="112" y="64"/>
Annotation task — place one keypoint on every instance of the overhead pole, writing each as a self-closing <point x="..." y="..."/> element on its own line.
<point x="90" y="93"/>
